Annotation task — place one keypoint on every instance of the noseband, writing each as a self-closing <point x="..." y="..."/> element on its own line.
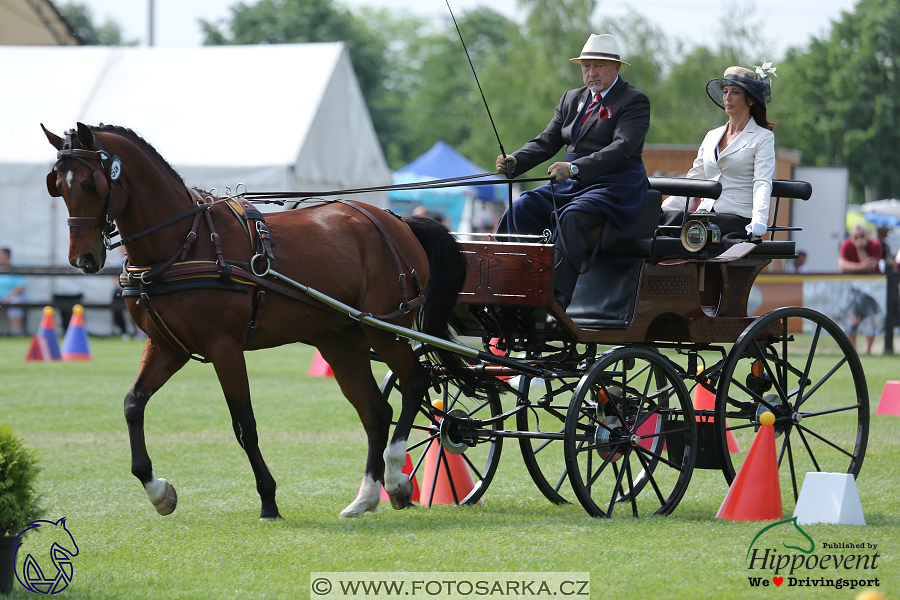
<point x="109" y="171"/>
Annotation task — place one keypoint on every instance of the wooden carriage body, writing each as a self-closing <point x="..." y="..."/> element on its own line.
<point x="640" y="288"/>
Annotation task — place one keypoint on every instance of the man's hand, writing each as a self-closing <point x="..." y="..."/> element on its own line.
<point x="502" y="161"/>
<point x="560" y="171"/>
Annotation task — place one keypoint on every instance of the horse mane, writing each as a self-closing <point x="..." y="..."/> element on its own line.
<point x="143" y="144"/>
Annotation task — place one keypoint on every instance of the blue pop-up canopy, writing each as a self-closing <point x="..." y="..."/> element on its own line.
<point x="443" y="162"/>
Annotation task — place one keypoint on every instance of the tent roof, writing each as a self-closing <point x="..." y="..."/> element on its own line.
<point x="443" y="162"/>
<point x="215" y="106"/>
<point x="34" y="22"/>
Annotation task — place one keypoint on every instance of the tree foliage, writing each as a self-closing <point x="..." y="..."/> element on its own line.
<point x="81" y="20"/>
<point x="843" y="98"/>
<point x="836" y="100"/>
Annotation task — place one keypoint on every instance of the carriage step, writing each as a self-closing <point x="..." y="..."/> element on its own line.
<point x="705" y="446"/>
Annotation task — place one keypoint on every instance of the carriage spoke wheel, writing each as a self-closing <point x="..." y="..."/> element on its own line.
<point x="630" y="435"/>
<point x="799" y="365"/>
<point x="547" y="402"/>
<point x="465" y="476"/>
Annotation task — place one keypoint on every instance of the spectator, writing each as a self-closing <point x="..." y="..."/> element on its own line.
<point x="798" y="265"/>
<point x="12" y="291"/>
<point x="886" y="255"/>
<point x="859" y="254"/>
<point x="865" y="318"/>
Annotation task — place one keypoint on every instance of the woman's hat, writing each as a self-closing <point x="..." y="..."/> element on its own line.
<point x="756" y="83"/>
<point x="600" y="47"/>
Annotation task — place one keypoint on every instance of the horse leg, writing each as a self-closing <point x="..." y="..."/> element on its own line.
<point x="347" y="351"/>
<point x="231" y="369"/>
<point x="158" y="364"/>
<point x="414" y="383"/>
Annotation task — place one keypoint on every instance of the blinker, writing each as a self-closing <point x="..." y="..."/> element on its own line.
<point x="101" y="183"/>
<point x="51" y="185"/>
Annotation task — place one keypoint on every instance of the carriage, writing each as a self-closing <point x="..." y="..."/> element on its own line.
<point x="654" y="370"/>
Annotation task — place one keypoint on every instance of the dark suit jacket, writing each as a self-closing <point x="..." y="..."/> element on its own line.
<point x="610" y="142"/>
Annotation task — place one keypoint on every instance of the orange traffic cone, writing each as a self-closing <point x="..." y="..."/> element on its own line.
<point x="755" y="493"/>
<point x="320" y="367"/>
<point x="75" y="342"/>
<point x="407" y="468"/>
<point x="706" y="400"/>
<point x="44" y="345"/>
<point x="436" y="486"/>
<point x="890" y="399"/>
<point x="497" y="352"/>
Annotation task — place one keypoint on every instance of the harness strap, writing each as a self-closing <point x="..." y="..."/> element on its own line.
<point x="399" y="259"/>
<point x="164" y="330"/>
<point x="258" y="300"/>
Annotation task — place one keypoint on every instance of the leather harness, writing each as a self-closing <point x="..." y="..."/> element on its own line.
<point x="180" y="274"/>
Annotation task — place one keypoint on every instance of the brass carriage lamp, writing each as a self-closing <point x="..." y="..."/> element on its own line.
<point x="699" y="234"/>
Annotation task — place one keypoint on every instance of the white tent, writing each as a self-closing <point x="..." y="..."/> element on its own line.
<point x="273" y="117"/>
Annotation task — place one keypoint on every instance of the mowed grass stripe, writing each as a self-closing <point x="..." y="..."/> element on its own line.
<point x="214" y="547"/>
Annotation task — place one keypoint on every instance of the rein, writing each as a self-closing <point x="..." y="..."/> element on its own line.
<point x="280" y="197"/>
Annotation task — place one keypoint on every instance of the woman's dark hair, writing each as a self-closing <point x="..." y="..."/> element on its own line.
<point x="758" y="112"/>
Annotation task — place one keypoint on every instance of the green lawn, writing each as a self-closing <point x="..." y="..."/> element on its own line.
<point x="214" y="547"/>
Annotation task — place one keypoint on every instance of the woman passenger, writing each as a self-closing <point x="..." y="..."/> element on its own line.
<point x="740" y="155"/>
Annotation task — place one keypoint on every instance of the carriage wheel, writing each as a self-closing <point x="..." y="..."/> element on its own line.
<point x="479" y="461"/>
<point x="630" y="429"/>
<point x="811" y="379"/>
<point x="547" y="402"/>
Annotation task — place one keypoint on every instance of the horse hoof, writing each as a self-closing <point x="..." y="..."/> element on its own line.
<point x="358" y="509"/>
<point x="271" y="519"/>
<point x="166" y="506"/>
<point x="401" y="497"/>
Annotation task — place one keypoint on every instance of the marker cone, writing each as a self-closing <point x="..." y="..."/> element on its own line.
<point x="755" y="493"/>
<point x="75" y="342"/>
<point x="320" y="367"/>
<point x="44" y="345"/>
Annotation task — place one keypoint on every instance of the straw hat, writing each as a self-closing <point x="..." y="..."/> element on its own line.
<point x="600" y="47"/>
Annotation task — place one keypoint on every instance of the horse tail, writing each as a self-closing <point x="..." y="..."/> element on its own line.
<point x="448" y="275"/>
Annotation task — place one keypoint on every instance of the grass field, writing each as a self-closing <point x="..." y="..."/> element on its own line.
<point x="214" y="547"/>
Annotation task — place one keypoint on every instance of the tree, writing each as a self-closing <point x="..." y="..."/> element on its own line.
<point x="81" y="19"/>
<point x="842" y="99"/>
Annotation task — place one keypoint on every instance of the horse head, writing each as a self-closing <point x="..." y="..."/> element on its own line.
<point x="84" y="175"/>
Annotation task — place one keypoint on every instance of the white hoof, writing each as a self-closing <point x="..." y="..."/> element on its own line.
<point x="162" y="495"/>
<point x="366" y="501"/>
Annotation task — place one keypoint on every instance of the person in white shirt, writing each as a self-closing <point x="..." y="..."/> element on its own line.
<point x="740" y="155"/>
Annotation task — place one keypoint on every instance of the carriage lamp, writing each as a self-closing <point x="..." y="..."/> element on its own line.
<point x="699" y="234"/>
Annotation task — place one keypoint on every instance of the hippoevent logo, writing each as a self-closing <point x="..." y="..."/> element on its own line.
<point x="44" y="557"/>
<point x="783" y="554"/>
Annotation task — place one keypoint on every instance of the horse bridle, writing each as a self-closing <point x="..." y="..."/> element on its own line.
<point x="109" y="172"/>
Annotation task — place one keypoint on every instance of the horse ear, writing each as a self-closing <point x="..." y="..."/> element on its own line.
<point x="85" y="137"/>
<point x="54" y="139"/>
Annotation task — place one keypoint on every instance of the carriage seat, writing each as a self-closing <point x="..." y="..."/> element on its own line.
<point x="641" y="241"/>
<point x="638" y="239"/>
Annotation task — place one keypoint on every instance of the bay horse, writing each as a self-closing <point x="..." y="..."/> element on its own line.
<point x="199" y="287"/>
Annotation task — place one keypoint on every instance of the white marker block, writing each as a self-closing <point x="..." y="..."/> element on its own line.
<point x="829" y="498"/>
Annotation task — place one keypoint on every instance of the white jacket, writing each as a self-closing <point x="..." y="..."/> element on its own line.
<point x="745" y="169"/>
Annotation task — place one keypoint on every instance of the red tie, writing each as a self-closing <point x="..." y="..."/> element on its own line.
<point x="597" y="100"/>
